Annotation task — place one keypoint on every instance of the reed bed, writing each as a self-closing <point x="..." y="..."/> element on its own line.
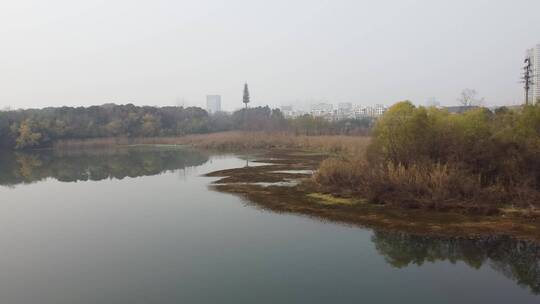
<point x="237" y="141"/>
<point x="241" y="141"/>
<point x="428" y="185"/>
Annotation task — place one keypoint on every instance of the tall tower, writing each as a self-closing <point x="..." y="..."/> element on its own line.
<point x="536" y="74"/>
<point x="532" y="74"/>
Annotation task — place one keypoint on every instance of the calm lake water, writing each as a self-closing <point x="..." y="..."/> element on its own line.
<point x="140" y="225"/>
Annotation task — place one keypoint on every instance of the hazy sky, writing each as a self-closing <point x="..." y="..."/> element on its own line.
<point x="70" y="52"/>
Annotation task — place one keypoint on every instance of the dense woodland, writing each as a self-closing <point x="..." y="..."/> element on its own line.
<point x="34" y="128"/>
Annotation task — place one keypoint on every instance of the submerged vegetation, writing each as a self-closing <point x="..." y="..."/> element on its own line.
<point x="478" y="161"/>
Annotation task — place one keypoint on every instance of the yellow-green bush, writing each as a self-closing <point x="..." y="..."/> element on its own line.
<point x="427" y="157"/>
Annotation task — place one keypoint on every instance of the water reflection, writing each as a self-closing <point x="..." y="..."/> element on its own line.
<point x="179" y="230"/>
<point x="518" y="260"/>
<point x="94" y="165"/>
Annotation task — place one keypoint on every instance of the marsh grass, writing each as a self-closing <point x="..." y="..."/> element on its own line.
<point x="327" y="199"/>
<point x="237" y="141"/>
<point x="431" y="186"/>
<point x="241" y="141"/>
<point x="108" y="142"/>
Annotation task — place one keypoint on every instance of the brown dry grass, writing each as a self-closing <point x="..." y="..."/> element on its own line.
<point x="239" y="141"/>
<point x="427" y="185"/>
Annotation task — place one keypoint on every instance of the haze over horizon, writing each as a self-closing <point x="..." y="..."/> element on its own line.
<point x="80" y="53"/>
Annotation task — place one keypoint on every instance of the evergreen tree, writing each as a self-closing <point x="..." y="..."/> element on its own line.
<point x="246" y="95"/>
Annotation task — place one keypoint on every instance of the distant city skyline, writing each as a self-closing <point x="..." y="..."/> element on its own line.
<point x="81" y="53"/>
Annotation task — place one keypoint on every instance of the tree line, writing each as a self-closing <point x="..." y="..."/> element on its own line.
<point x="33" y="128"/>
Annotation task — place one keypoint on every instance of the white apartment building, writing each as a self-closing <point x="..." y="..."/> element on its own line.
<point x="369" y="111"/>
<point x="213" y="104"/>
<point x="291" y="112"/>
<point x="344" y="106"/>
<point x="345" y="110"/>
<point x="534" y="55"/>
<point x="379" y="110"/>
<point x="330" y="112"/>
<point x="322" y="110"/>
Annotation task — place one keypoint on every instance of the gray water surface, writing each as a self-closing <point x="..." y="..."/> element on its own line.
<point x="140" y="225"/>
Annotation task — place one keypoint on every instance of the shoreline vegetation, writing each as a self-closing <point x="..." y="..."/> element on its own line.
<point x="420" y="169"/>
<point x="478" y="162"/>
<point x="280" y="183"/>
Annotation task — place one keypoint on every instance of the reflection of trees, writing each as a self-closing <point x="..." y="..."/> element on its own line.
<point x="27" y="164"/>
<point x="516" y="259"/>
<point x="94" y="165"/>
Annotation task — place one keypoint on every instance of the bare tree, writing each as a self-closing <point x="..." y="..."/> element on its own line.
<point x="469" y="98"/>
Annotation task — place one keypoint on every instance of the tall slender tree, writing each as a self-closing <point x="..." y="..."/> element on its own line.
<point x="246" y="95"/>
<point x="245" y="100"/>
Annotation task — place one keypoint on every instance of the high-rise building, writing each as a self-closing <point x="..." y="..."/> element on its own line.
<point x="534" y="56"/>
<point x="345" y="110"/>
<point x="369" y="111"/>
<point x="213" y="103"/>
<point x="322" y="109"/>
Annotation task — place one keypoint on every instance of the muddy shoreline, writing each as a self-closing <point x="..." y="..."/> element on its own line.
<point x="280" y="181"/>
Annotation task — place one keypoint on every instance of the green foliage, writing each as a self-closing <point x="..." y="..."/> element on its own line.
<point x="151" y="125"/>
<point x="32" y="128"/>
<point x="245" y="98"/>
<point x="25" y="129"/>
<point x="309" y="125"/>
<point x="259" y="119"/>
<point x="427" y="157"/>
<point x="402" y="133"/>
<point x="28" y="136"/>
